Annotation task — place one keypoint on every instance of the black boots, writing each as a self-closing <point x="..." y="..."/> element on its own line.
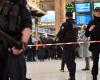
<point x="72" y="78"/>
<point x="61" y="70"/>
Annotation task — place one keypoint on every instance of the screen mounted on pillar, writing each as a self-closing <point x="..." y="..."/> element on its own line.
<point x="82" y="7"/>
<point x="83" y="19"/>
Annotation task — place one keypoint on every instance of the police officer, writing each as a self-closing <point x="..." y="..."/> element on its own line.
<point x="66" y="34"/>
<point x="93" y="31"/>
<point x="14" y="60"/>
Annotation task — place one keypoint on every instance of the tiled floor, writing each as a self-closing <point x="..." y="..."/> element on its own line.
<point x="49" y="70"/>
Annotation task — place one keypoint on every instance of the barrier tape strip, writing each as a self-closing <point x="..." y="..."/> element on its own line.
<point x="67" y="43"/>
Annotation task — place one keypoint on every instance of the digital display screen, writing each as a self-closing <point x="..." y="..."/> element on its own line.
<point x="96" y="4"/>
<point x="83" y="7"/>
<point x="83" y="19"/>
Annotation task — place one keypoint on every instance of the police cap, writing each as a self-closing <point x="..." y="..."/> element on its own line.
<point x="97" y="9"/>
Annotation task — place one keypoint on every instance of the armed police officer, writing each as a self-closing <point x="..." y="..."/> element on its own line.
<point x="15" y="21"/>
<point x="93" y="31"/>
<point x="66" y="34"/>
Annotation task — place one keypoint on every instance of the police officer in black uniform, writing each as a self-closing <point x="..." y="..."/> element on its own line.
<point x="12" y="62"/>
<point x="66" y="34"/>
<point x="93" y="31"/>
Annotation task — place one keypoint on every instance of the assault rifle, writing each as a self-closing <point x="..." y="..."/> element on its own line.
<point x="10" y="41"/>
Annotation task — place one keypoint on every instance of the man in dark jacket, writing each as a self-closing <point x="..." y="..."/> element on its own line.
<point x="66" y="34"/>
<point x="12" y="61"/>
<point x="93" y="31"/>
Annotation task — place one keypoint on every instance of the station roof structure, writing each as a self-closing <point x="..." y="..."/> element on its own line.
<point x="40" y="7"/>
<point x="48" y="4"/>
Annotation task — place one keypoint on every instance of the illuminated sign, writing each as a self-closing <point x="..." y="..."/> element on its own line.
<point x="69" y="7"/>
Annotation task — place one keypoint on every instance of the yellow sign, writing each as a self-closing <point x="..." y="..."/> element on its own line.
<point x="69" y="7"/>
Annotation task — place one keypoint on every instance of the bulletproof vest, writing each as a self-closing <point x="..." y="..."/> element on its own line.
<point x="9" y="16"/>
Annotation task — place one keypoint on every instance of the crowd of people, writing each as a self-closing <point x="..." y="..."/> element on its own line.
<point x="44" y="51"/>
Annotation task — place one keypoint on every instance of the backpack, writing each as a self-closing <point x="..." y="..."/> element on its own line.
<point x="9" y="16"/>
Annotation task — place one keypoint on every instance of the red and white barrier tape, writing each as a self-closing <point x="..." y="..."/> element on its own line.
<point x="64" y="43"/>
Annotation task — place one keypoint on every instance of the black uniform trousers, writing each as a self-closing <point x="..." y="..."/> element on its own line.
<point x="95" y="49"/>
<point x="16" y="67"/>
<point x="69" y="57"/>
<point x="3" y="62"/>
<point x="95" y="55"/>
<point x="62" y="62"/>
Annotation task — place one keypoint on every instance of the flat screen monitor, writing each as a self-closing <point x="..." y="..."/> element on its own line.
<point x="83" y="19"/>
<point x="96" y="4"/>
<point x="83" y="7"/>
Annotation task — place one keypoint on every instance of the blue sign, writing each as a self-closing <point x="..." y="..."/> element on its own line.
<point x="83" y="7"/>
<point x="83" y="19"/>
